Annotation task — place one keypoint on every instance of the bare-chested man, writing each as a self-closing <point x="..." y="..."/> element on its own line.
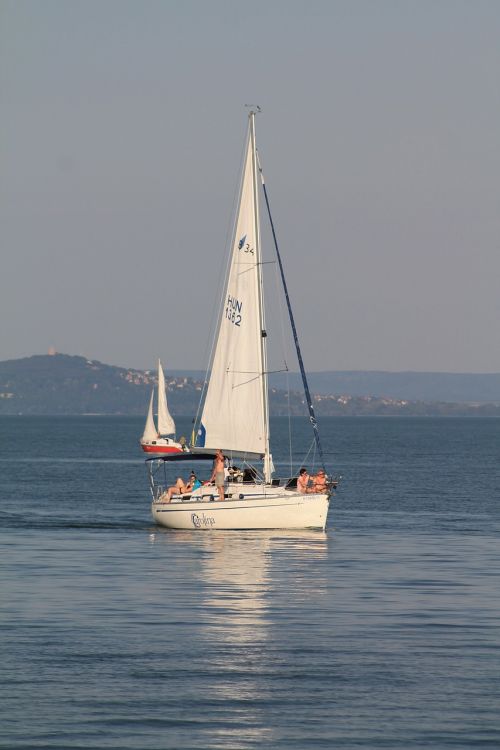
<point x="218" y="473"/>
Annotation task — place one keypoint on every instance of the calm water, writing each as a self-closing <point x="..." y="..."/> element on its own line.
<point x="382" y="633"/>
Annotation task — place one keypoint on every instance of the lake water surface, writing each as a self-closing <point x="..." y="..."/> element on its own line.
<point x="383" y="632"/>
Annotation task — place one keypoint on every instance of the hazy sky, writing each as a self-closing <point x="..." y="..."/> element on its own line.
<point x="122" y="127"/>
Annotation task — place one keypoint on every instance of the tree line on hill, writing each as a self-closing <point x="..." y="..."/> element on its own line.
<point x="64" y="384"/>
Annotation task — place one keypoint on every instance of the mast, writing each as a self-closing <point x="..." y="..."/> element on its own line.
<point x="263" y="332"/>
<point x="312" y="416"/>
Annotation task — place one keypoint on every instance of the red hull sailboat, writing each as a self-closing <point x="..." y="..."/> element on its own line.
<point x="156" y="439"/>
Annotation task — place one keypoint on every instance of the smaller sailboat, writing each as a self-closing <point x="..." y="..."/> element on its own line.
<point x="156" y="439"/>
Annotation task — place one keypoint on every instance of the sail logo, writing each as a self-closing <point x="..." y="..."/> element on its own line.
<point x="243" y="245"/>
<point x="201" y="436"/>
<point x="233" y="310"/>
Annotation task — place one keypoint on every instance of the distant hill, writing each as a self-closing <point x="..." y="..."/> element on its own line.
<point x="65" y="384"/>
<point x="447" y="387"/>
<point x="463" y="388"/>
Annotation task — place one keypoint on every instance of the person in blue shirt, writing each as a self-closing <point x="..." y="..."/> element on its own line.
<point x="194" y="481"/>
<point x="182" y="488"/>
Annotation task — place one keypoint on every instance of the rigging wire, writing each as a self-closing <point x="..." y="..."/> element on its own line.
<point x="312" y="416"/>
<point x="284" y="349"/>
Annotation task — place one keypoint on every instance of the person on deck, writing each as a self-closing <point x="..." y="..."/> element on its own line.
<point x="180" y="487"/>
<point x="218" y="474"/>
<point x="303" y="481"/>
<point x="196" y="482"/>
<point x="319" y="482"/>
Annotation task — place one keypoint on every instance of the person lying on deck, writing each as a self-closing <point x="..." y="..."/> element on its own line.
<point x="181" y="488"/>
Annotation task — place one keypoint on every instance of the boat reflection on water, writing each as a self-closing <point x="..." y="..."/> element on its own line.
<point x="255" y="594"/>
<point x="237" y="586"/>
<point x="242" y="577"/>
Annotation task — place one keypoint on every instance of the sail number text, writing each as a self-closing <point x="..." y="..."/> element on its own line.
<point x="233" y="310"/>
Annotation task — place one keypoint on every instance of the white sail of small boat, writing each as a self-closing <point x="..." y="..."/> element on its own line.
<point x="235" y="416"/>
<point x="155" y="438"/>
<point x="166" y="425"/>
<point x="150" y="431"/>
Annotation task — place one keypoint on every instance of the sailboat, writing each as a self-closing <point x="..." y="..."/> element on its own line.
<point x="155" y="438"/>
<point x="235" y="414"/>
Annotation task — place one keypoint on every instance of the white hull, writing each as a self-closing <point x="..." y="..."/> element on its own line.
<point x="260" y="508"/>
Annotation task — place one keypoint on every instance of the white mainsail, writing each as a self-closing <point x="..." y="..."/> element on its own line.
<point x="235" y="414"/>
<point x="149" y="428"/>
<point x="166" y="425"/>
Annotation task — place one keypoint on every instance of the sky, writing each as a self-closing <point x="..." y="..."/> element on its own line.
<point x="121" y="137"/>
